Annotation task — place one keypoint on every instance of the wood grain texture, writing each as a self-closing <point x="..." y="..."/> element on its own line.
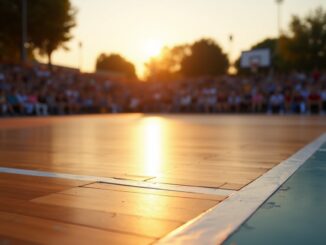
<point x="106" y="186"/>
<point x="210" y="151"/>
<point x="45" y="231"/>
<point x="54" y="211"/>
<point x="130" y="203"/>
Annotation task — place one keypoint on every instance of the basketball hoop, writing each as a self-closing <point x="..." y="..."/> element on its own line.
<point x="254" y="64"/>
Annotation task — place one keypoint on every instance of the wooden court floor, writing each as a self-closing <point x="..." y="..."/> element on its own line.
<point x="224" y="152"/>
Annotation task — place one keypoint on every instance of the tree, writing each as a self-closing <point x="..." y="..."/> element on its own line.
<point x="50" y="26"/>
<point x="205" y="58"/>
<point x="167" y="65"/>
<point x="115" y="63"/>
<point x="9" y="30"/>
<point x="48" y="22"/>
<point x="304" y="48"/>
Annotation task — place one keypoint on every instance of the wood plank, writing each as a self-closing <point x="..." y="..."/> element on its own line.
<point x="114" y="222"/>
<point x="45" y="231"/>
<point x="139" y="204"/>
<point x="38" y="182"/>
<point x="188" y="182"/>
<point x="167" y="200"/>
<point x="28" y="187"/>
<point x="107" y="186"/>
<point x="223" y="151"/>
<point x="201" y="145"/>
<point x="5" y="240"/>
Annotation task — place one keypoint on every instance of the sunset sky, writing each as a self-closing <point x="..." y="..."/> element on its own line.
<point x="138" y="28"/>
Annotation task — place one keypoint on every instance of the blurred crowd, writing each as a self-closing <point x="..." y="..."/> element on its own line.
<point x="35" y="90"/>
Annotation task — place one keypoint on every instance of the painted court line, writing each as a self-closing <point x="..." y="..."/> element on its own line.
<point x="133" y="183"/>
<point x="215" y="225"/>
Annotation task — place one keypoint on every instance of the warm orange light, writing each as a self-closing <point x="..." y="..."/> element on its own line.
<point x="153" y="48"/>
<point x="232" y="70"/>
<point x="153" y="145"/>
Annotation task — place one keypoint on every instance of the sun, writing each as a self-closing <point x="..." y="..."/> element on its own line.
<point x="152" y="48"/>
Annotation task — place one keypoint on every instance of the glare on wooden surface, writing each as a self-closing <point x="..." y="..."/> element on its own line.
<point x="153" y="145"/>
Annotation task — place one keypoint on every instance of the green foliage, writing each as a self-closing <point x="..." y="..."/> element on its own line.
<point x="167" y="65"/>
<point x="116" y="64"/>
<point x="48" y="23"/>
<point x="304" y="47"/>
<point x="205" y="59"/>
<point x="202" y="58"/>
<point x="9" y="30"/>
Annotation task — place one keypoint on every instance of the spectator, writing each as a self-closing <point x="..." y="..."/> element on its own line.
<point x="37" y="91"/>
<point x="276" y="103"/>
<point x="234" y="101"/>
<point x="288" y="101"/>
<point x="3" y="103"/>
<point x="14" y="103"/>
<point x="314" y="101"/>
<point x="257" y="101"/>
<point x="323" y="98"/>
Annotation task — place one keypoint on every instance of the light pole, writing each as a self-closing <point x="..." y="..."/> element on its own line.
<point x="24" y="31"/>
<point x="231" y="45"/>
<point x="231" y="64"/>
<point x="279" y="17"/>
<point x="80" y="58"/>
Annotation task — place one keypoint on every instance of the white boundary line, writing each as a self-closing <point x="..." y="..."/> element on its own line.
<point x="215" y="225"/>
<point x="143" y="184"/>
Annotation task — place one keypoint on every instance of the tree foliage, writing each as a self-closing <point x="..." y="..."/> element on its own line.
<point x="202" y="58"/>
<point x="304" y="47"/>
<point x="206" y="59"/>
<point x="48" y="26"/>
<point x="167" y="65"/>
<point x="10" y="36"/>
<point x="115" y="63"/>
